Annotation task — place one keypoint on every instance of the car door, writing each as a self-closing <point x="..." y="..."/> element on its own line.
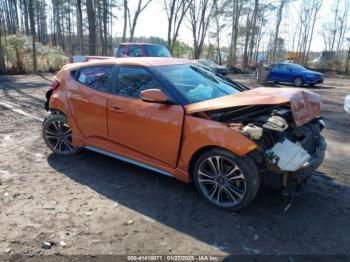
<point x="150" y="132"/>
<point x="87" y="98"/>
<point x="285" y="73"/>
<point x="276" y="73"/>
<point x="273" y="73"/>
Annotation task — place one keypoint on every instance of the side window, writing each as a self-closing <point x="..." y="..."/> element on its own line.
<point x="133" y="80"/>
<point x="278" y="66"/>
<point x="99" y="77"/>
<point x="284" y="67"/>
<point x="281" y="66"/>
<point x="135" y="51"/>
<point x="121" y="51"/>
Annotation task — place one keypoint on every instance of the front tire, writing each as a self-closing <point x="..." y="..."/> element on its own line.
<point x="298" y="81"/>
<point x="225" y="180"/>
<point x="58" y="135"/>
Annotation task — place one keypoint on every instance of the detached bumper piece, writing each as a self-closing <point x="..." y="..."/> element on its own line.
<point x="288" y="156"/>
<point x="291" y="157"/>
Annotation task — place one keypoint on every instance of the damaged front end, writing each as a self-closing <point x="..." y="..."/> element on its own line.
<point x="290" y="146"/>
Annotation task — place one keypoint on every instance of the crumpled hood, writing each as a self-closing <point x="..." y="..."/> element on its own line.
<point x="305" y="105"/>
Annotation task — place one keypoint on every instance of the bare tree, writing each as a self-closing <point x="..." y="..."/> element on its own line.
<point x="176" y="10"/>
<point x="133" y="20"/>
<point x="32" y="29"/>
<point x="80" y="27"/>
<point x="248" y="29"/>
<point x="237" y="6"/>
<point x="335" y="29"/>
<point x="342" y="29"/>
<point x="125" y="16"/>
<point x="91" y="14"/>
<point x="316" y="8"/>
<point x="2" y="55"/>
<point x="307" y="19"/>
<point x="253" y="29"/>
<point x="200" y="15"/>
<point x="277" y="28"/>
<point x="334" y="33"/>
<point x="219" y="25"/>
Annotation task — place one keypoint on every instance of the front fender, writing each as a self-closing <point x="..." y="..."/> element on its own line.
<point x="199" y="133"/>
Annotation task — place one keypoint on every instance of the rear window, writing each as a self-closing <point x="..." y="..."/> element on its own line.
<point x="135" y="51"/>
<point x="157" y="51"/>
<point x="98" y="77"/>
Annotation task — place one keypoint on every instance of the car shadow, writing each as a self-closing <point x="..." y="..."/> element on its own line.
<point x="178" y="206"/>
<point x="318" y="86"/>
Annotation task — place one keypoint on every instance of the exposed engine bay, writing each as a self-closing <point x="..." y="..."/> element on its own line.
<point x="283" y="146"/>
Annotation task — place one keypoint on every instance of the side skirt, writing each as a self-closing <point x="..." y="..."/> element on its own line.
<point x="129" y="160"/>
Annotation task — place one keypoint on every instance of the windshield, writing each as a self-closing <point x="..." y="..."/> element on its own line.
<point x="296" y="67"/>
<point x="157" y="51"/>
<point x="196" y="84"/>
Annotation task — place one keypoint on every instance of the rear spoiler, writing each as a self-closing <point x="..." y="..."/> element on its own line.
<point x="80" y="58"/>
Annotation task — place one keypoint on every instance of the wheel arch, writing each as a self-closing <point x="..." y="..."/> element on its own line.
<point x="203" y="150"/>
<point x="55" y="111"/>
<point x="200" y="135"/>
<point x="59" y="104"/>
<point x="299" y="76"/>
<point x="197" y="154"/>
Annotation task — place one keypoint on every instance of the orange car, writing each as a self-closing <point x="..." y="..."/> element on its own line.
<point x="178" y="119"/>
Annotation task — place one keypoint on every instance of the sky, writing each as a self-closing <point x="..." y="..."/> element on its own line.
<point x="153" y="22"/>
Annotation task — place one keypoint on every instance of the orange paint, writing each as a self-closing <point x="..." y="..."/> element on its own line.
<point x="160" y="135"/>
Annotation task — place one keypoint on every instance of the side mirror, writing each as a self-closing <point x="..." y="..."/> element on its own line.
<point x="153" y="96"/>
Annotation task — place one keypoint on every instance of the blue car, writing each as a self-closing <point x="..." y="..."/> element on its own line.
<point x="294" y="74"/>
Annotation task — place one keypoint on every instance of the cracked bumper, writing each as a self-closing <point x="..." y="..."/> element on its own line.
<point x="315" y="161"/>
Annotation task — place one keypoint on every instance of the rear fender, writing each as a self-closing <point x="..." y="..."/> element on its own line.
<point x="58" y="100"/>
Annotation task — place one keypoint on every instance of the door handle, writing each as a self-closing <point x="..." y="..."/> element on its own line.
<point x="116" y="109"/>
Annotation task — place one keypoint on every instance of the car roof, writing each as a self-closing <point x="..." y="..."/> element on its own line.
<point x="136" y="61"/>
<point x="131" y="43"/>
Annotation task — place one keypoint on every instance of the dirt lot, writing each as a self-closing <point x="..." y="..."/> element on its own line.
<point x="98" y="205"/>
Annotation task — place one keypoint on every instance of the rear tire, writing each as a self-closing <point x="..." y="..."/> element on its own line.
<point x="298" y="81"/>
<point x="58" y="135"/>
<point x="226" y="181"/>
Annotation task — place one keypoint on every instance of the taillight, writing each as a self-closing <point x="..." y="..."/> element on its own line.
<point x="54" y="85"/>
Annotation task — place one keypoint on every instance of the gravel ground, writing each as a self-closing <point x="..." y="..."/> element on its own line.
<point x="90" y="204"/>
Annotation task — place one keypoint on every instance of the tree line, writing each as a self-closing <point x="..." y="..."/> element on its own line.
<point x="252" y="27"/>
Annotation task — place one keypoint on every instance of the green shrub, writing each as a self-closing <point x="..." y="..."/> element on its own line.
<point x="18" y="54"/>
